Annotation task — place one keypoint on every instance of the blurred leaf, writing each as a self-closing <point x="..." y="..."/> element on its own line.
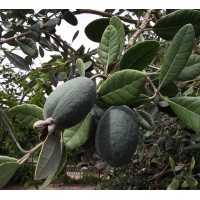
<point x="192" y="164"/>
<point x="177" y="55"/>
<point x="139" y="56"/>
<point x="178" y="168"/>
<point x="117" y="23"/>
<point x="172" y="164"/>
<point x="35" y="32"/>
<point x="75" y="35"/>
<point x="41" y="51"/>
<point x="49" y="157"/>
<point x="69" y="17"/>
<point x="141" y="99"/>
<point x="51" y="22"/>
<point x="27" y="114"/>
<point x="28" y="46"/>
<point x="195" y="137"/>
<point x="7" y="24"/>
<point x="7" y="170"/>
<point x="8" y="127"/>
<point x="192" y="146"/>
<point x="191" y="69"/>
<point x="174" y="185"/>
<point x="76" y="136"/>
<point x="61" y="165"/>
<point x="153" y="150"/>
<point x="109" y="47"/>
<point x="53" y="79"/>
<point x="19" y="22"/>
<point x="6" y="159"/>
<point x="121" y="88"/>
<point x="17" y="61"/>
<point x="81" y="67"/>
<point x="185" y="184"/>
<point x="192" y="182"/>
<point x="187" y="109"/>
<point x="88" y="64"/>
<point x="168" y="26"/>
<point x="145" y="120"/>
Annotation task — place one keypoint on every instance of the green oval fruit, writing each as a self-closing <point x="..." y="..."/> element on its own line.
<point x="70" y="103"/>
<point x="117" y="135"/>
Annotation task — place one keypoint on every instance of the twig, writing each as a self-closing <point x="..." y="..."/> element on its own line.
<point x="104" y="14"/>
<point x="98" y="75"/>
<point x="140" y="30"/>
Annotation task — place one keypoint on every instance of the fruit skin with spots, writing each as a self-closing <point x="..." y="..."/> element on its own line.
<point x="117" y="135"/>
<point x="70" y="102"/>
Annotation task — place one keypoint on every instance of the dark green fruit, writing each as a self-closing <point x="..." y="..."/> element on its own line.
<point x="117" y="135"/>
<point x="70" y="103"/>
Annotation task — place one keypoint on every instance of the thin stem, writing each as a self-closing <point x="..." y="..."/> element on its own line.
<point x="98" y="75"/>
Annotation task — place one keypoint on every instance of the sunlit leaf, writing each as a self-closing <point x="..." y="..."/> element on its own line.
<point x="27" y="114"/>
<point x="174" y="185"/>
<point x="52" y="22"/>
<point x="81" y="67"/>
<point x="177" y="55"/>
<point x="192" y="182"/>
<point x="172" y="164"/>
<point x="121" y="88"/>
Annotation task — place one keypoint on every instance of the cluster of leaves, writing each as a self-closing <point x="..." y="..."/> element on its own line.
<point x="153" y="69"/>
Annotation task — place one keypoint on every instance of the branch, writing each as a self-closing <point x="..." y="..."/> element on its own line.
<point x="104" y="14"/>
<point x="140" y="30"/>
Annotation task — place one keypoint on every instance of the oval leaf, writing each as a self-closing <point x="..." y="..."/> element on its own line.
<point x="191" y="69"/>
<point x="35" y="32"/>
<point x="172" y="164"/>
<point x="174" y="185"/>
<point x="187" y="109"/>
<point x="192" y="182"/>
<point x="49" y="157"/>
<point x="7" y="170"/>
<point x="81" y="67"/>
<point x="109" y="47"/>
<point x="61" y="165"/>
<point x="145" y="120"/>
<point x="168" y="26"/>
<point x="76" y="136"/>
<point x="17" y="61"/>
<point x="177" y="55"/>
<point x="75" y="35"/>
<point x="139" y="56"/>
<point x="5" y="159"/>
<point x="28" y="46"/>
<point x="192" y="164"/>
<point x="27" y="114"/>
<point x="121" y="88"/>
<point x="70" y="18"/>
<point x="117" y="23"/>
<point x="52" y="22"/>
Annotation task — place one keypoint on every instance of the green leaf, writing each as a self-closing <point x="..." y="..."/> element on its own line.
<point x="17" y="61"/>
<point x="139" y="56"/>
<point x="52" y="22"/>
<point x="192" y="182"/>
<point x="95" y="29"/>
<point x="192" y="146"/>
<point x="49" y="157"/>
<point x="185" y="184"/>
<point x="76" y="136"/>
<point x="61" y="165"/>
<point x="191" y="69"/>
<point x="75" y="35"/>
<point x="168" y="26"/>
<point x="81" y="67"/>
<point x="7" y="24"/>
<point x="141" y="99"/>
<point x="121" y="88"/>
<point x="174" y="185"/>
<point x="19" y="22"/>
<point x="70" y="18"/>
<point x="7" y="170"/>
<point x="8" y="127"/>
<point x="28" y="46"/>
<point x="35" y="32"/>
<point x="41" y="51"/>
<point x="153" y="150"/>
<point x="172" y="164"/>
<point x="177" y="55"/>
<point x="27" y="114"/>
<point x="195" y="137"/>
<point x="188" y="110"/>
<point x="117" y="23"/>
<point x="169" y="90"/>
<point x="109" y="47"/>
<point x="145" y="120"/>
<point x="6" y="159"/>
<point x="192" y="164"/>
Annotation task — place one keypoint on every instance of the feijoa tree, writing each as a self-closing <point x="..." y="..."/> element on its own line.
<point x="147" y="60"/>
